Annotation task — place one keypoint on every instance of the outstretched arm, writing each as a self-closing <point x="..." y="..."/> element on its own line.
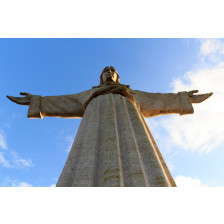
<point x="66" y="106"/>
<point x="155" y="104"/>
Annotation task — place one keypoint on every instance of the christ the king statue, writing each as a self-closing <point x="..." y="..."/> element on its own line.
<point x="113" y="146"/>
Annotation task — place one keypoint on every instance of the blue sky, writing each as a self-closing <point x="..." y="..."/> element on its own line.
<point x="33" y="151"/>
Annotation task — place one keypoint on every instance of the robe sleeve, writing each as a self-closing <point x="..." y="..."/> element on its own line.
<point x="65" y="106"/>
<point x="155" y="104"/>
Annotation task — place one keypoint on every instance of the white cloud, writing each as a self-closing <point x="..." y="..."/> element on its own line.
<point x="13" y="160"/>
<point x="183" y="181"/>
<point x="202" y="131"/>
<point x="66" y="140"/>
<point x="21" y="184"/>
<point x="212" y="49"/>
<point x="3" y="144"/>
<point x="69" y="141"/>
<point x="3" y="161"/>
<point x="9" y="182"/>
<point x="20" y="162"/>
<point x="209" y="46"/>
<point x="52" y="185"/>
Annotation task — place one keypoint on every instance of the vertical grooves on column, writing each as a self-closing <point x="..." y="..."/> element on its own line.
<point x="77" y="160"/>
<point x="111" y="167"/>
<point x="67" y="176"/>
<point x="114" y="147"/>
<point x="86" y="165"/>
<point x="150" y="160"/>
<point x="132" y="171"/>
<point x="118" y="145"/>
<point x="137" y="147"/>
<point x="99" y="153"/>
<point x="161" y="160"/>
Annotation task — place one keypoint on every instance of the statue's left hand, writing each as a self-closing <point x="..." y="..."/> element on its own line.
<point x="21" y="100"/>
<point x="198" y="98"/>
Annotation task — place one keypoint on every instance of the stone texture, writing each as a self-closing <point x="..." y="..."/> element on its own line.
<point x="113" y="146"/>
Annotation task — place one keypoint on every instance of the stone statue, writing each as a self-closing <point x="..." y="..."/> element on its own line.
<point x="113" y="145"/>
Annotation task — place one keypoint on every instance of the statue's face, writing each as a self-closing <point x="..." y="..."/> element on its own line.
<point x="109" y="75"/>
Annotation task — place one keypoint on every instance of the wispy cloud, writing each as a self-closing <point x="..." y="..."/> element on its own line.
<point x="66" y="140"/>
<point x="212" y="48"/>
<point x="19" y="162"/>
<point x="3" y="144"/>
<point x="203" y="131"/>
<point x="14" y="160"/>
<point x="10" y="158"/>
<point x="3" y="161"/>
<point x="11" y="182"/>
<point x="183" y="181"/>
<point x="69" y="141"/>
<point x="21" y="184"/>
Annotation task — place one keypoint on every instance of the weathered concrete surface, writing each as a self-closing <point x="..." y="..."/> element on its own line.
<point x="113" y="146"/>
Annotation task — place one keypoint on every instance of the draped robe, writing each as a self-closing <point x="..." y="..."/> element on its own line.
<point x="113" y="145"/>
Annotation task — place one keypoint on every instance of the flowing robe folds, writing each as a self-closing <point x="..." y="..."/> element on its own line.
<point x="113" y="145"/>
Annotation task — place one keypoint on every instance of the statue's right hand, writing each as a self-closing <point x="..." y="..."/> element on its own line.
<point x="21" y="100"/>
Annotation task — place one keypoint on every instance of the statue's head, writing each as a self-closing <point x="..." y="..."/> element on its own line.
<point x="109" y="74"/>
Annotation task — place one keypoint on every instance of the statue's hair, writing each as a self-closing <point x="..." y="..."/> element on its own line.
<point x="101" y="78"/>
